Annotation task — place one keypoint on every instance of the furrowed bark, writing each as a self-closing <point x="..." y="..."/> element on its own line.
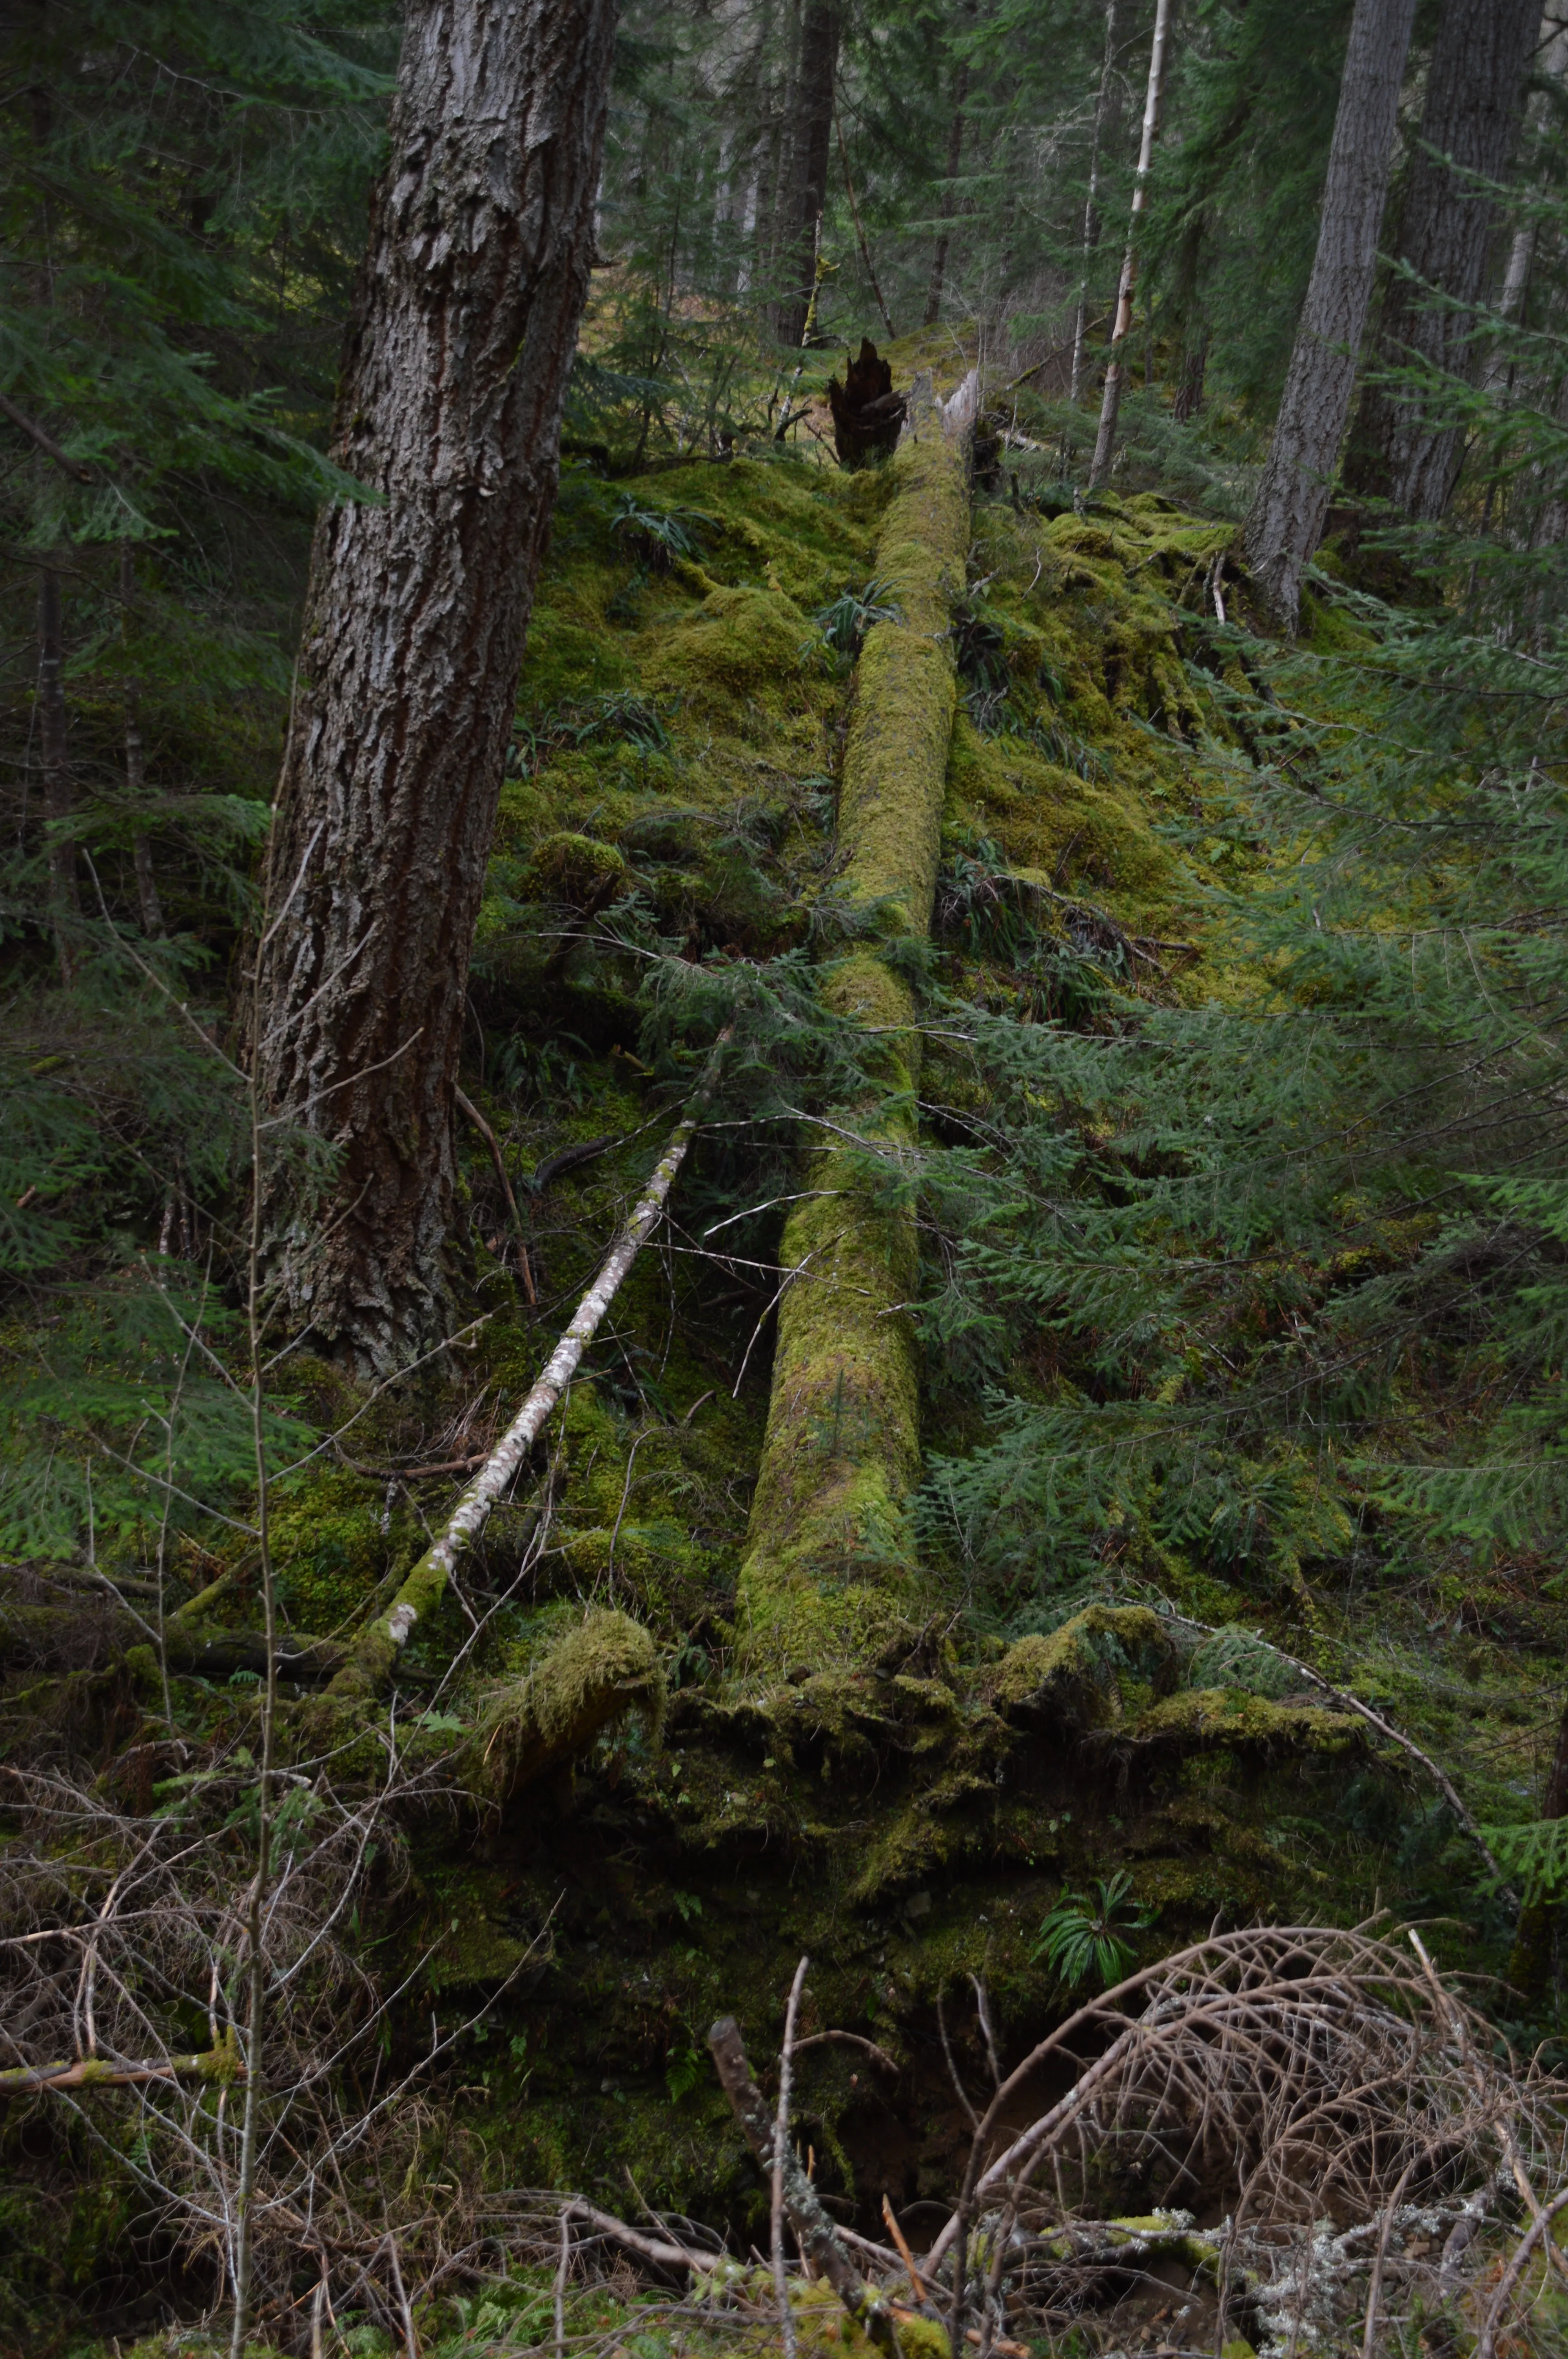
<point x="1153" y="100"/>
<point x="827" y="1550"/>
<point x="1470" y="126"/>
<point x="376" y="1653"/>
<point x="1292" y="500"/>
<point x="459" y="345"/>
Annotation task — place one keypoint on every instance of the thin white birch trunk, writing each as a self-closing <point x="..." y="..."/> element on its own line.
<point x="1111" y="404"/>
<point x="378" y="1649"/>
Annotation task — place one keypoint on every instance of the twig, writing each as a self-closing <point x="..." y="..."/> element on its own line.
<point x="963" y="2095"/>
<point x="1502" y="2300"/>
<point x="221" y="2063"/>
<point x="918" y="2283"/>
<point x="46" y="442"/>
<point x="561" y="2269"/>
<point x="983" y="2007"/>
<point x="406" y="2314"/>
<point x="781" y="2147"/>
<point x="493" y="1144"/>
<point x="851" y="2040"/>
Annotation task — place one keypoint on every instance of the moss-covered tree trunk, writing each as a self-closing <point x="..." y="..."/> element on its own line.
<point x="827" y="1552"/>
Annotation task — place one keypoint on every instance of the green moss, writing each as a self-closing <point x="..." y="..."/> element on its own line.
<point x="603" y="1668"/>
<point x="1082" y="1669"/>
<point x="329" y="1551"/>
<point x="740" y="646"/>
<point x="1234" y="1716"/>
<point x="829" y="1553"/>
<point x="575" y="868"/>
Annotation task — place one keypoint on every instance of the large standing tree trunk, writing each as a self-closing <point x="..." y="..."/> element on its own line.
<point x="1286" y="522"/>
<point x="1468" y="127"/>
<point x="458" y="349"/>
<point x="811" y="146"/>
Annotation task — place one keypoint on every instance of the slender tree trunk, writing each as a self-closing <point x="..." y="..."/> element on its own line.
<point x="1192" y="364"/>
<point x="459" y="343"/>
<point x="812" y="145"/>
<point x="1471" y="120"/>
<point x="954" y="157"/>
<point x="1107" y="121"/>
<point x="149" y="906"/>
<point x="65" y="899"/>
<point x="1292" y="500"/>
<point x="1552" y="57"/>
<point x="774" y="238"/>
<point x="1110" y="401"/>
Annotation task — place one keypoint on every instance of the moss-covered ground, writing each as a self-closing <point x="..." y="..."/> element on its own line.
<point x="906" y="1821"/>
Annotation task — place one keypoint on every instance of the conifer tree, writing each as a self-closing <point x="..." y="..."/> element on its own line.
<point x="1292" y="500"/>
<point x="459" y="345"/>
<point x="811" y="135"/>
<point x="1467" y="131"/>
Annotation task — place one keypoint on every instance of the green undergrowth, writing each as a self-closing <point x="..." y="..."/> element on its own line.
<point x="1020" y="1719"/>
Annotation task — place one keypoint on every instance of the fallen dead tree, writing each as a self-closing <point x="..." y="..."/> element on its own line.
<point x="378" y="1648"/>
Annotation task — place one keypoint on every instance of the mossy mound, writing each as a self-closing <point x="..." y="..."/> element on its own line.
<point x="742" y="647"/>
<point x="593" y="1674"/>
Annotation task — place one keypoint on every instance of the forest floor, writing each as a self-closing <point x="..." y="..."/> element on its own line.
<point x="909" y="1822"/>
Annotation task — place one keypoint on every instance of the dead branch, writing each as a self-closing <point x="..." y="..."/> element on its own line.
<point x="223" y="2064"/>
<point x="815" y="2233"/>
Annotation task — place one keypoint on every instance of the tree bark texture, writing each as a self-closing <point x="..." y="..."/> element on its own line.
<point x="1110" y="399"/>
<point x="1292" y="500"/>
<point x="1469" y="126"/>
<point x="954" y="157"/>
<point x="458" y="349"/>
<point x="812" y="143"/>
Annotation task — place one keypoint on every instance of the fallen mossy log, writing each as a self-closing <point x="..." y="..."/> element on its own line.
<point x="58" y="1636"/>
<point x="827" y="1550"/>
